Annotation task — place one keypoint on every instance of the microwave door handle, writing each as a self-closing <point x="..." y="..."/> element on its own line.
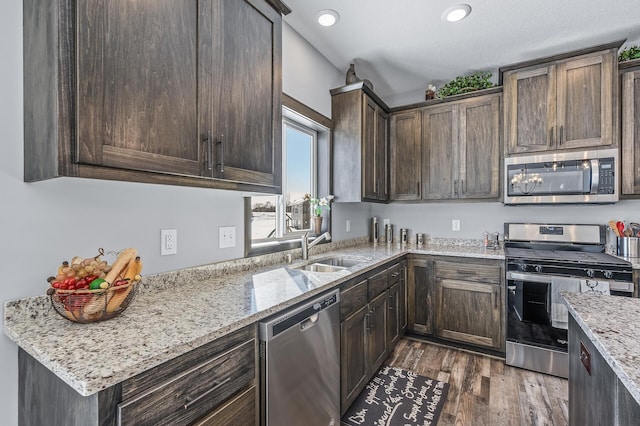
<point x="595" y="175"/>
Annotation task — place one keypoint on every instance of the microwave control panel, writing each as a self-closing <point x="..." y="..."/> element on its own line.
<point x="607" y="171"/>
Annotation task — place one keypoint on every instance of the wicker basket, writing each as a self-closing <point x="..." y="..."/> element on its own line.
<point x="86" y="306"/>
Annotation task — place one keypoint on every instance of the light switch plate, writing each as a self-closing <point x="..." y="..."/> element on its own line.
<point x="168" y="241"/>
<point x="227" y="236"/>
<point x="455" y="225"/>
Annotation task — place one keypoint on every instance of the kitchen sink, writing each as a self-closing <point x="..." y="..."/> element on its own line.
<point x="344" y="262"/>
<point x="318" y="267"/>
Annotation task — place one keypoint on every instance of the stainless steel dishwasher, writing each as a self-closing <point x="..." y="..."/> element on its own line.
<point x="300" y="364"/>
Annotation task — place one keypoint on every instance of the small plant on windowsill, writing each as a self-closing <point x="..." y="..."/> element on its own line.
<point x="317" y="204"/>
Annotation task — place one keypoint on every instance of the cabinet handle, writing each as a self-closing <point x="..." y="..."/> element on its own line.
<point x="495" y="300"/>
<point x="216" y="386"/>
<point x="418" y="185"/>
<point x="377" y="186"/>
<point x="551" y="136"/>
<point x="209" y="151"/>
<point x="461" y="186"/>
<point x="391" y="301"/>
<point x="221" y="144"/>
<point x="455" y="187"/>
<point x="373" y="319"/>
<point x="395" y="274"/>
<point x="561" y="134"/>
<point x="367" y="326"/>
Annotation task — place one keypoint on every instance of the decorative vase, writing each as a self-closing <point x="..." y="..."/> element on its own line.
<point x="317" y="224"/>
<point x="351" y="75"/>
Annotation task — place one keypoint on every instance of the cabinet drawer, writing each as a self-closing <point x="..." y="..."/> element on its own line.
<point x="239" y="411"/>
<point x="469" y="271"/>
<point x="393" y="274"/>
<point x="377" y="284"/>
<point x="353" y="299"/>
<point x="185" y="397"/>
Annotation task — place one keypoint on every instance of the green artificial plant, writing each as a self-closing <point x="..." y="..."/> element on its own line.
<point x="632" y="52"/>
<point x="463" y="84"/>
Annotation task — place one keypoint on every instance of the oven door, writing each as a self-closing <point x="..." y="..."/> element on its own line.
<point x="536" y="313"/>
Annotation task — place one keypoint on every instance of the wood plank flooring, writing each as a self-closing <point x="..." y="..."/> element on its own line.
<point x="485" y="391"/>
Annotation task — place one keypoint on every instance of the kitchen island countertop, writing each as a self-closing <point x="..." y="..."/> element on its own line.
<point x="609" y="322"/>
<point x="178" y="311"/>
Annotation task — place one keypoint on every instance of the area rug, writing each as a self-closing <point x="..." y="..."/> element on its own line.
<point x="397" y="397"/>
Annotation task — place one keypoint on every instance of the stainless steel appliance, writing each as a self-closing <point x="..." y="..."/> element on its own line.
<point x="565" y="177"/>
<point x="300" y="360"/>
<point x="542" y="261"/>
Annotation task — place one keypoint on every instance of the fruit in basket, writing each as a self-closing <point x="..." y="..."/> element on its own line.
<point x="118" y="270"/>
<point x="98" y="283"/>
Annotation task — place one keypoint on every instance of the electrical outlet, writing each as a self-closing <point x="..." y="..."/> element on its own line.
<point x="168" y="241"/>
<point x="348" y="226"/>
<point x="455" y="225"/>
<point x="386" y="222"/>
<point x="227" y="236"/>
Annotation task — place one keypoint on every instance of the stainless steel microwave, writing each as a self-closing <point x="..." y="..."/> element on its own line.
<point x="564" y="177"/>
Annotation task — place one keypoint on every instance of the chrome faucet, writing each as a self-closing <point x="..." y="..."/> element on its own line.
<point x="306" y="245"/>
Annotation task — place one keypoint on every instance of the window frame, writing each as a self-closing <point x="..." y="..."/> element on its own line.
<point x="300" y="117"/>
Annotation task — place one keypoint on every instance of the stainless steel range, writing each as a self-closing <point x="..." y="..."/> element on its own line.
<point x="544" y="260"/>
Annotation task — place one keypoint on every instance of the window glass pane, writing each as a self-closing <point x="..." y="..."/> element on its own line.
<point x="299" y="177"/>
<point x="263" y="217"/>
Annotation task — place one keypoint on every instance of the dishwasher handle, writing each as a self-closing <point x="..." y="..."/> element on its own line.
<point x="303" y="316"/>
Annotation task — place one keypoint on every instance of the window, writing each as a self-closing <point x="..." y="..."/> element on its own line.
<point x="276" y="222"/>
<point x="287" y="215"/>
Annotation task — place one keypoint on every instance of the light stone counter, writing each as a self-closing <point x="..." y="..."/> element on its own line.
<point x="178" y="311"/>
<point x="610" y="323"/>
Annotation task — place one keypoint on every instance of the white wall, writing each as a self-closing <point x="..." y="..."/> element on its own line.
<point x="46" y="222"/>
<point x="435" y="219"/>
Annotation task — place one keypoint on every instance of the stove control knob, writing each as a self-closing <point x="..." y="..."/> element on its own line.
<point x="590" y="273"/>
<point x="539" y="269"/>
<point x="524" y="267"/>
<point x="607" y="274"/>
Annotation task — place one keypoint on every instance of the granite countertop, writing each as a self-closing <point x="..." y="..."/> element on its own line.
<point x="178" y="311"/>
<point x="610" y="324"/>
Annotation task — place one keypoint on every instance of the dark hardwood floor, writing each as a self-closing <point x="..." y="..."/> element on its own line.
<point x="483" y="390"/>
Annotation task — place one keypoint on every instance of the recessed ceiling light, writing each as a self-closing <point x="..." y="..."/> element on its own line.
<point x="456" y="13"/>
<point x="327" y="17"/>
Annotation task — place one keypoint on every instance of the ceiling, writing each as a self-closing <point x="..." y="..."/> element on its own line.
<point x="404" y="45"/>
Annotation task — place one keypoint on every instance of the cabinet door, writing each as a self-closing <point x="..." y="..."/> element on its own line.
<point x="406" y="155"/>
<point x="631" y="133"/>
<point x="440" y="150"/>
<point x="585" y="101"/>
<point x="353" y="357"/>
<point x="403" y="298"/>
<point x="393" y="316"/>
<point x="244" y="109"/>
<point x="420" y="296"/>
<point x="369" y="149"/>
<point x="530" y="109"/>
<point x="240" y="411"/>
<point x="479" y="142"/>
<point x="382" y="154"/>
<point x="377" y="341"/>
<point x="592" y="395"/>
<point x="138" y="96"/>
<point x="469" y="312"/>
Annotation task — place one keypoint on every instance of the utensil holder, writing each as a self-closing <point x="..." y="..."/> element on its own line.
<point x="629" y="246"/>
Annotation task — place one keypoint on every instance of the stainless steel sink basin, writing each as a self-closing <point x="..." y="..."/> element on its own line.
<point x="345" y="262"/>
<point x="318" y="267"/>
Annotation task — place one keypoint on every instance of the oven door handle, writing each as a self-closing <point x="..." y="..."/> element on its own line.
<point x="528" y="277"/>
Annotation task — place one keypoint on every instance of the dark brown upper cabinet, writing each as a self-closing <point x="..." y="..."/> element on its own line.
<point x="360" y="145"/>
<point x="562" y="103"/>
<point x="406" y="155"/>
<point x="185" y="93"/>
<point x="461" y="149"/>
<point x="630" y="153"/>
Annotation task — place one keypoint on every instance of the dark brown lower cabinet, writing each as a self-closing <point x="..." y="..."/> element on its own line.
<point x="420" y="296"/>
<point x="209" y="385"/>
<point x="596" y="395"/>
<point x="372" y="317"/>
<point x="469" y="302"/>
